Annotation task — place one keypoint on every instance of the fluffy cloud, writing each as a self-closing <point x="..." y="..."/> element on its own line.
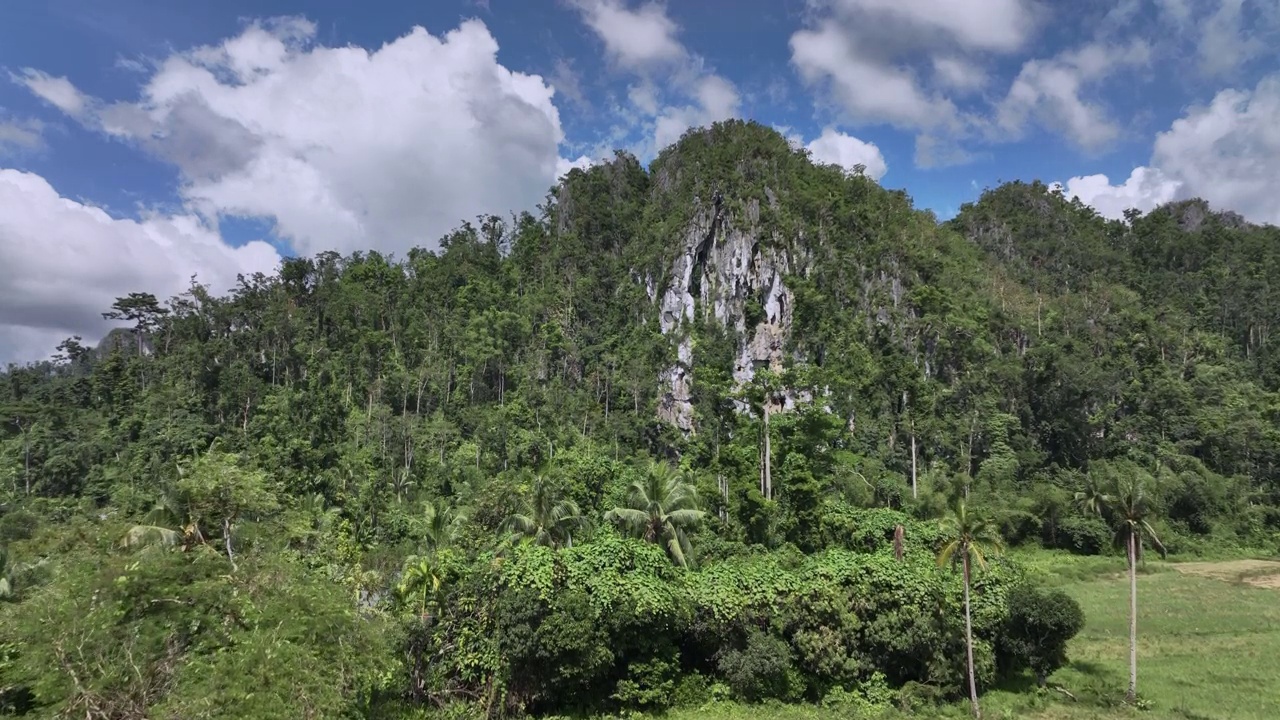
<point x="342" y="148"/>
<point x="957" y="74"/>
<point x="20" y="135"/>
<point x="867" y="89"/>
<point x="860" y="52"/>
<point x="714" y="99"/>
<point x="62" y="263"/>
<point x="635" y="39"/>
<point x="996" y="25"/>
<point x="56" y="91"/>
<point x="1222" y="35"/>
<point x="673" y="88"/>
<point x="564" y="166"/>
<point x="1052" y="92"/>
<point x="1227" y="152"/>
<point x="837" y="148"/>
<point x="1145" y="189"/>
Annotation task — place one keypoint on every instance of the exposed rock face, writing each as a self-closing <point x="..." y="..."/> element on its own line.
<point x="722" y="268"/>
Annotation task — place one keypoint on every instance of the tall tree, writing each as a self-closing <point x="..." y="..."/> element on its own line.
<point x="1130" y="510"/>
<point x="141" y="309"/>
<point x="969" y="540"/>
<point x="660" y="508"/>
<point x="442" y="524"/>
<point x="22" y="415"/>
<point x="762" y="397"/>
<point x="544" y="517"/>
<point x="219" y="491"/>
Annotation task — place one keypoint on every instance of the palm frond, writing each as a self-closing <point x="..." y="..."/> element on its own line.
<point x="948" y="553"/>
<point x="1155" y="539"/>
<point x="686" y="518"/>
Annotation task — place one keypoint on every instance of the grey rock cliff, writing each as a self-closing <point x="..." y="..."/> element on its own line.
<point x="724" y="262"/>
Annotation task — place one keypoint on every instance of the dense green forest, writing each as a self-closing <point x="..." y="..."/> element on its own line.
<point x="710" y="429"/>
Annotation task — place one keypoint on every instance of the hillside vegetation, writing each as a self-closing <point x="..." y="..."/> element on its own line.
<point x="683" y="436"/>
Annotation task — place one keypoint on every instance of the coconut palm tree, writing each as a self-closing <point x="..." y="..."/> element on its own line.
<point x="422" y="577"/>
<point x="1130" y="511"/>
<point x="1091" y="499"/>
<point x="544" y="518"/>
<point x="442" y="524"/>
<point x="167" y="523"/>
<point x="660" y="508"/>
<point x="969" y="539"/>
<point x="421" y="580"/>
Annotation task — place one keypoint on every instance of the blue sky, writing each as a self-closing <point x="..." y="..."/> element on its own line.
<point x="142" y="142"/>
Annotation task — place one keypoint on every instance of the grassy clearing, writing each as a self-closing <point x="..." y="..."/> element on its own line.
<point x="1260" y="573"/>
<point x="1208" y="637"/>
<point x="1208" y="643"/>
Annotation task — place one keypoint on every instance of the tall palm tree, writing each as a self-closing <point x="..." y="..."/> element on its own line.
<point x="1130" y="510"/>
<point x="1091" y="499"/>
<point x="421" y="580"/>
<point x="969" y="539"/>
<point x="442" y="524"/>
<point x="660" y="508"/>
<point x="167" y="523"/>
<point x="544" y="518"/>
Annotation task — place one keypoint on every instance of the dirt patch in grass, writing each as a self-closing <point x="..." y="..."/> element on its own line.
<point x="1259" y="573"/>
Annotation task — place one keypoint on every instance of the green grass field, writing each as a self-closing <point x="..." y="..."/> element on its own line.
<point x="1208" y="648"/>
<point x="1208" y="640"/>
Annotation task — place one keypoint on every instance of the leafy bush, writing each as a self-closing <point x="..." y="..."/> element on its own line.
<point x="1083" y="535"/>
<point x="870" y="530"/>
<point x="553" y="649"/>
<point x="762" y="669"/>
<point x="19" y="524"/>
<point x="1039" y="624"/>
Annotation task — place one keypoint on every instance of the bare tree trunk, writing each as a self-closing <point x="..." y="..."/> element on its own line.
<point x="914" y="491"/>
<point x="26" y="457"/>
<point x="768" y="454"/>
<point x="968" y="635"/>
<point x="1132" y="694"/>
<point x="226" y="539"/>
<point x="968" y="455"/>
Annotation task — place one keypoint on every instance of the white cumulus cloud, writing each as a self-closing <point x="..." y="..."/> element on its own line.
<point x="1145" y="189"/>
<point x="1227" y="152"/>
<point x="837" y="148"/>
<point x="1054" y="93"/>
<point x="62" y="263"/>
<point x="634" y="39"/>
<point x="673" y="89"/>
<point x="866" y="89"/>
<point x="564" y="166"/>
<point x="895" y="61"/>
<point x="342" y="148"/>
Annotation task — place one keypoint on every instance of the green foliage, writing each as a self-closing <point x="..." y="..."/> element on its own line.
<point x="1036" y="632"/>
<point x="173" y="635"/>
<point x="1083" y="535"/>
<point x="554" y="649"/>
<point x="661" y="508"/>
<point x="761" y="669"/>
<point x="374" y="486"/>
